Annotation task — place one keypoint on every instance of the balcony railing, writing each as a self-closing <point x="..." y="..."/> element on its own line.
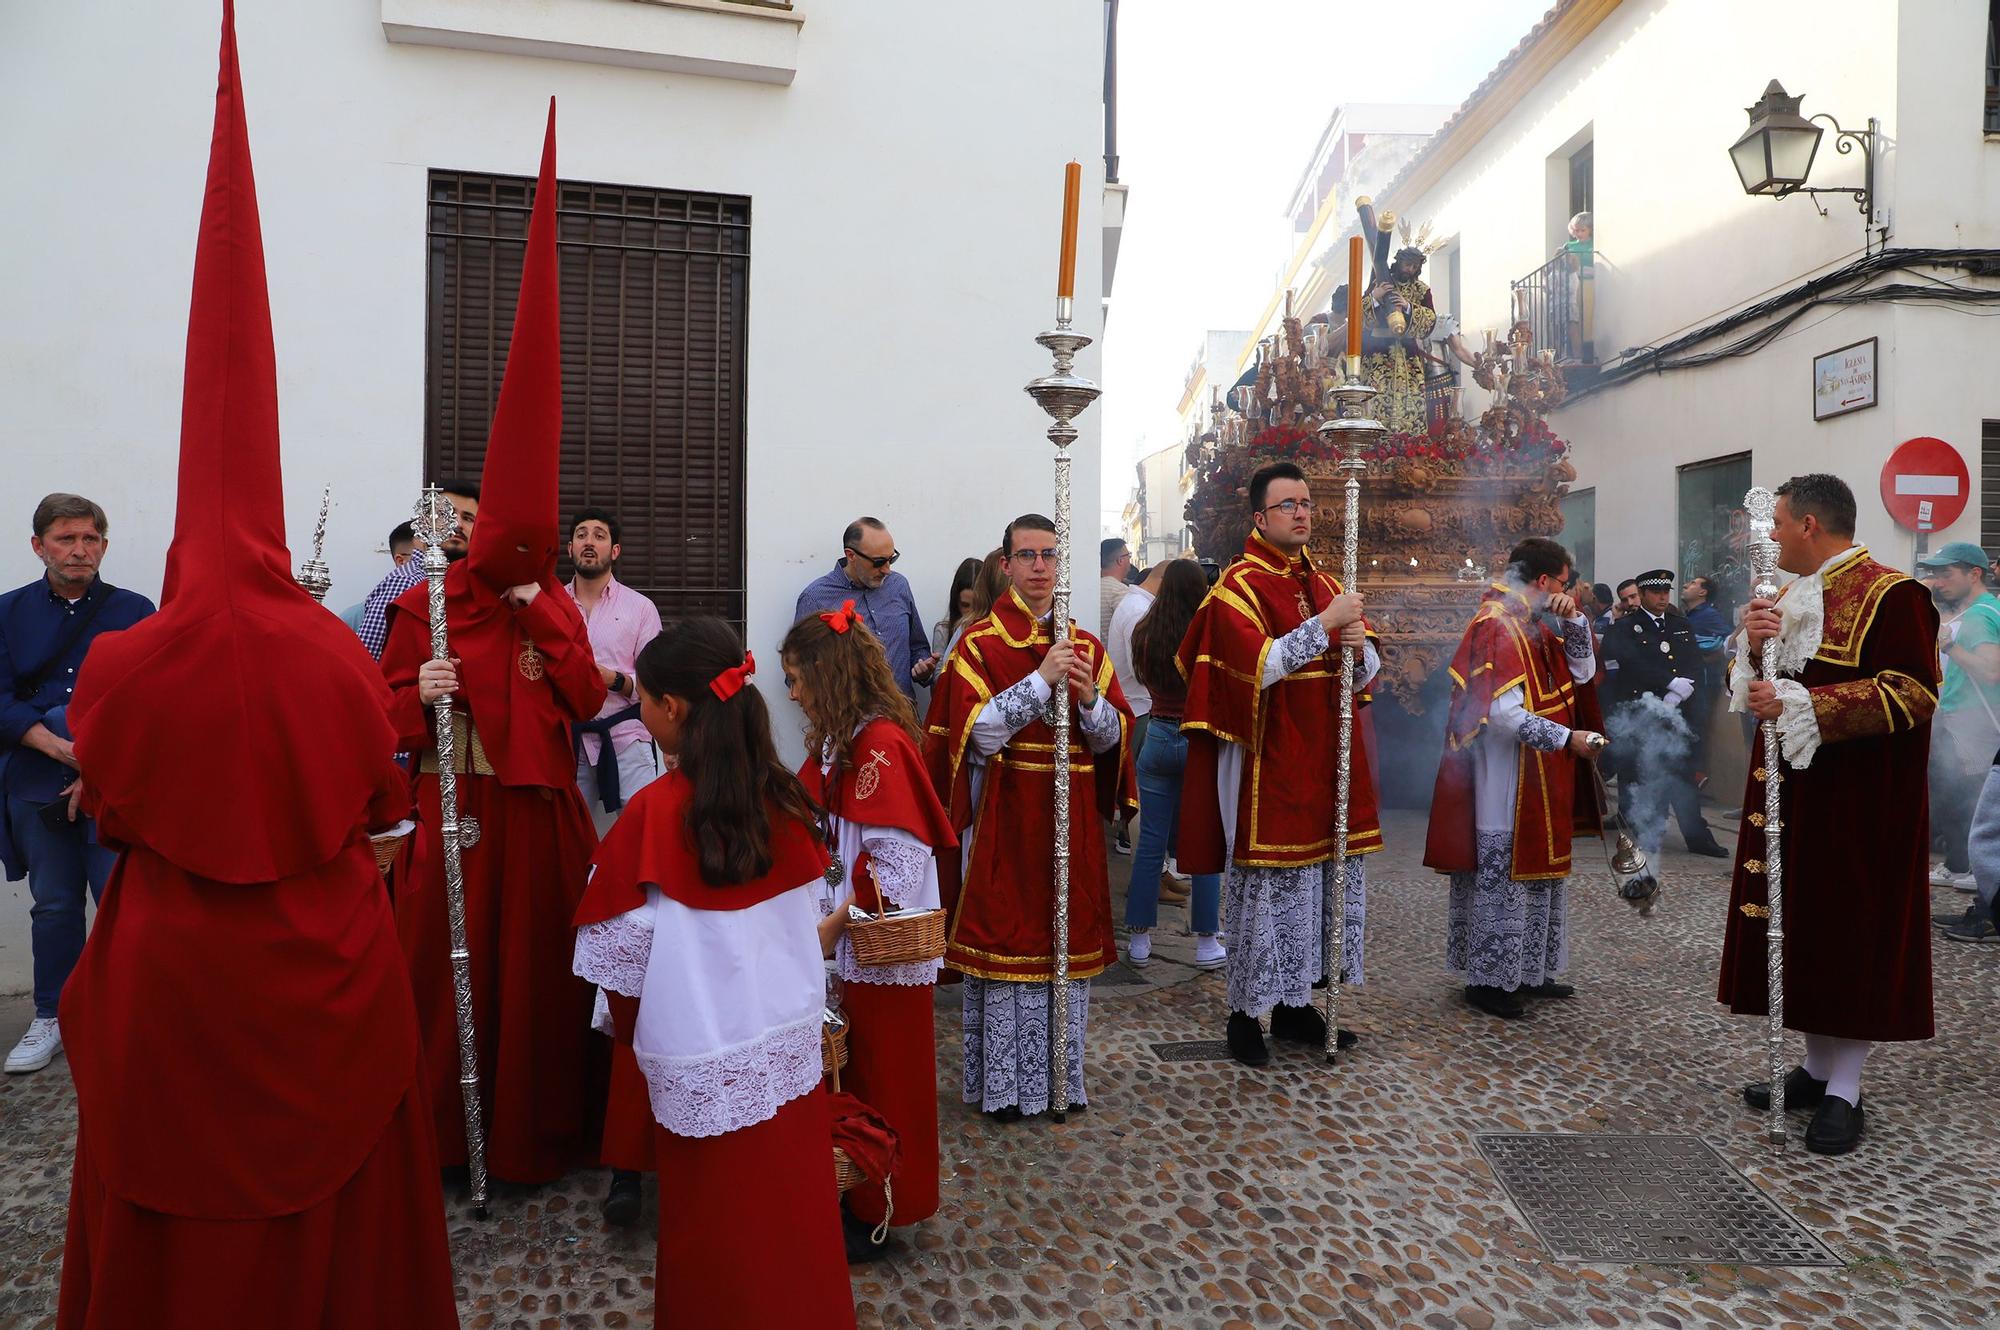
<point x="1552" y="300"/>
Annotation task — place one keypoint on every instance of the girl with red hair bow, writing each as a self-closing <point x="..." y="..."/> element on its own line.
<point x="884" y="824"/>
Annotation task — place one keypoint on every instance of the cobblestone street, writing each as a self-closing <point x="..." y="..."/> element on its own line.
<point x="1202" y="1196"/>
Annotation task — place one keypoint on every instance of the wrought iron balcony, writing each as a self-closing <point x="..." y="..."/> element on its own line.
<point x="1556" y="302"/>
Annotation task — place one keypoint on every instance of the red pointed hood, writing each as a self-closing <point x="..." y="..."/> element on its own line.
<point x="516" y="536"/>
<point x="241" y="731"/>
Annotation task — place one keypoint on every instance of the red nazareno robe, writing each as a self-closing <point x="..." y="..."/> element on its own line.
<point x="253" y="1146"/>
<point x="1002" y="924"/>
<point x="523" y="879"/>
<point x="1856" y="825"/>
<point x="1290" y="732"/>
<point x="750" y="1234"/>
<point x="1503" y="647"/>
<point x="891" y="1040"/>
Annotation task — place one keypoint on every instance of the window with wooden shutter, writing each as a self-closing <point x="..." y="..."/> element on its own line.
<point x="655" y="289"/>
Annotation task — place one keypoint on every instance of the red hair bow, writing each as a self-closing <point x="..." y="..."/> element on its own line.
<point x="730" y="682"/>
<point x="842" y="619"/>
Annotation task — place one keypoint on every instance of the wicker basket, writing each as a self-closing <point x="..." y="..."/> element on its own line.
<point x="845" y="1175"/>
<point x="833" y="1048"/>
<point x="901" y="937"/>
<point x="387" y="846"/>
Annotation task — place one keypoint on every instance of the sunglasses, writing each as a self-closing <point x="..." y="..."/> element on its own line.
<point x="877" y="564"/>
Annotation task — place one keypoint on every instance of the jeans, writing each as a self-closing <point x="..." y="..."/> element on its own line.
<point x="1983" y="844"/>
<point x="1161" y="762"/>
<point x="60" y="861"/>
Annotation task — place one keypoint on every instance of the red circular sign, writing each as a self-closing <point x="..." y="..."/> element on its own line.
<point x="1925" y="484"/>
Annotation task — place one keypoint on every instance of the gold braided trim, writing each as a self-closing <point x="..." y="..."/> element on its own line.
<point x="1755" y="911"/>
<point x="1753" y="865"/>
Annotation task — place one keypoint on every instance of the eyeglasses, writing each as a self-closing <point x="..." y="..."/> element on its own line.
<point x="1291" y="507"/>
<point x="872" y="561"/>
<point x="1034" y="556"/>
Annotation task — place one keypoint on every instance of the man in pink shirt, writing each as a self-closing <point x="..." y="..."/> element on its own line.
<point x="620" y="621"/>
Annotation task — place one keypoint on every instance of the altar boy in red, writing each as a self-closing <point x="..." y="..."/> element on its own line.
<point x="1262" y="662"/>
<point x="703" y="906"/>
<point x="885" y="826"/>
<point x="522" y="673"/>
<point x="253" y="1146"/>
<point x="991" y="753"/>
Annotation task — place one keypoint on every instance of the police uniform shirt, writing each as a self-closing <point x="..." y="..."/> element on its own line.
<point x="1650" y="653"/>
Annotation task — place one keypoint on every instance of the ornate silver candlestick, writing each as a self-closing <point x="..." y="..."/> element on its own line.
<point x="1063" y="394"/>
<point x="1350" y="429"/>
<point x="1762" y="506"/>
<point x="313" y="574"/>
<point x="435" y="521"/>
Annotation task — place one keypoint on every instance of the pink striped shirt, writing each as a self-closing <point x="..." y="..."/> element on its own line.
<point x="623" y="622"/>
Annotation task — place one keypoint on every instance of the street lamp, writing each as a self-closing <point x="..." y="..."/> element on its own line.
<point x="1775" y="154"/>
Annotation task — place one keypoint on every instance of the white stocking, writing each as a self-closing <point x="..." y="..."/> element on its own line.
<point x="1837" y="1062"/>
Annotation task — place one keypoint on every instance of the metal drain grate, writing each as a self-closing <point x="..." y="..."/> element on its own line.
<point x="1119" y="975"/>
<point x="1603" y="1197"/>
<point x="1192" y="1050"/>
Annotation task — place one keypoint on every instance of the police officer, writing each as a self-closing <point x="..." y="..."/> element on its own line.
<point x="1651" y="652"/>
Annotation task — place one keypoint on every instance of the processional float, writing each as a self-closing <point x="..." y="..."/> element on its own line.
<point x="1063" y="394"/>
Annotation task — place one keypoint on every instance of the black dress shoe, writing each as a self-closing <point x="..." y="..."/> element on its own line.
<point x="1500" y="1002"/>
<point x="859" y="1236"/>
<point x="1246" y="1040"/>
<point x="1551" y="989"/>
<point x="1801" y="1093"/>
<point x="621" y="1203"/>
<point x="1835" y="1127"/>
<point x="1298" y="1025"/>
<point x="1347" y="1038"/>
<point x="1712" y="850"/>
<point x="1011" y="1113"/>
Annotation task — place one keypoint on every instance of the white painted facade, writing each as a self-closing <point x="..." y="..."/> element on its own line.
<point x="1159" y="504"/>
<point x="905" y="173"/>
<point x="1658" y="87"/>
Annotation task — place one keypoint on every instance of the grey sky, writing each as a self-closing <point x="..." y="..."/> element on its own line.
<point x="1218" y="108"/>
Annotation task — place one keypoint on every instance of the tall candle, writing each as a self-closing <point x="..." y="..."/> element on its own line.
<point x="1072" y="190"/>
<point x="1354" y="245"/>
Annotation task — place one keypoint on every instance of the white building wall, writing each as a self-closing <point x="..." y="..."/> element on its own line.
<point x="905" y="206"/>
<point x="1679" y="244"/>
<point x="906" y="198"/>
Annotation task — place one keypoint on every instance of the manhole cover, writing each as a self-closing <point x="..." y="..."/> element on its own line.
<point x="1119" y="975"/>
<point x="1192" y="1050"/>
<point x="1602" y="1197"/>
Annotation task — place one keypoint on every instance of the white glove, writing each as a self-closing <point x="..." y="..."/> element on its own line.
<point x="1679" y="691"/>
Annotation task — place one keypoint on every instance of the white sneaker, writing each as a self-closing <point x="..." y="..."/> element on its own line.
<point x="1941" y="876"/>
<point x="1139" y="948"/>
<point x="1209" y="953"/>
<point x="38" y="1047"/>
<point x="1964" y="882"/>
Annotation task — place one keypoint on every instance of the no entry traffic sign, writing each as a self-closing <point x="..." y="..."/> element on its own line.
<point x="1925" y="484"/>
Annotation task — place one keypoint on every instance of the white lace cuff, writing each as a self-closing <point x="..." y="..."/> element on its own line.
<point x="1798" y="726"/>
<point x="614" y="954"/>
<point x="1100" y="725"/>
<point x="735" y="1087"/>
<point x="902" y="867"/>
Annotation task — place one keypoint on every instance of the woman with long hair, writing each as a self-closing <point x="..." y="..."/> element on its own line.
<point x="1156" y="643"/>
<point x="702" y="926"/>
<point x="884" y="824"/>
<point x="960" y="600"/>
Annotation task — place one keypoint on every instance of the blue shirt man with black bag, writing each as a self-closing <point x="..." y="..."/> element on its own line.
<point x="46" y="628"/>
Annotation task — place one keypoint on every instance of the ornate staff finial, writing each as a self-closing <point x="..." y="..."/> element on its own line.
<point x="314" y="575"/>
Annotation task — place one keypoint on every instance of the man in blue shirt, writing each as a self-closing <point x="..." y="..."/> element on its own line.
<point x="46" y="628"/>
<point x="883" y="597"/>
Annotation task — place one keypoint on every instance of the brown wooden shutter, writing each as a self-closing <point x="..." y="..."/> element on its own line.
<point x="655" y="286"/>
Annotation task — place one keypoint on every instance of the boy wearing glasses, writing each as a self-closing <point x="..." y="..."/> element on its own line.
<point x="881" y="596"/>
<point x="1262" y="663"/>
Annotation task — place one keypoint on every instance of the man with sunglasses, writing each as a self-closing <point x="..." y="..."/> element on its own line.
<point x="881" y="595"/>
